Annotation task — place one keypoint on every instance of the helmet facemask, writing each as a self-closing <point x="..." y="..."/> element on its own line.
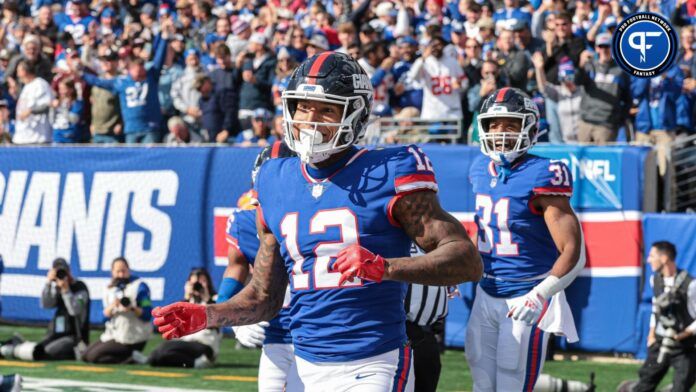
<point x="505" y="147"/>
<point x="310" y="146"/>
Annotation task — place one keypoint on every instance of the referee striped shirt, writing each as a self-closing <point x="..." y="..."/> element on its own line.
<point x="425" y="304"/>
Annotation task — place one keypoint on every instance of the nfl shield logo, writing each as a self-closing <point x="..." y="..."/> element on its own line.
<point x="494" y="182"/>
<point x="317" y="190"/>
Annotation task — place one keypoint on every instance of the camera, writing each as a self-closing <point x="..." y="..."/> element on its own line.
<point x="61" y="274"/>
<point x="125" y="302"/>
<point x="198" y="287"/>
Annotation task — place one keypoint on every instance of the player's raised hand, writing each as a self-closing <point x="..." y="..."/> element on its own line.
<point x="528" y="309"/>
<point x="356" y="261"/>
<point x="180" y="319"/>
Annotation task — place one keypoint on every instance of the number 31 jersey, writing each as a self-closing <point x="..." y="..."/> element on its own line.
<point x="513" y="239"/>
<point x="314" y="214"/>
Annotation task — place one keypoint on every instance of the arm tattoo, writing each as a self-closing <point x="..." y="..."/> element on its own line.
<point x="263" y="297"/>
<point x="451" y="256"/>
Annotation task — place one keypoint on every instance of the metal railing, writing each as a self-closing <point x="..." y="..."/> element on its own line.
<point x="418" y="130"/>
<point x="681" y="187"/>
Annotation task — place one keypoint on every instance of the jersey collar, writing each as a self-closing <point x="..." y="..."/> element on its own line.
<point x="314" y="175"/>
<point x="493" y="169"/>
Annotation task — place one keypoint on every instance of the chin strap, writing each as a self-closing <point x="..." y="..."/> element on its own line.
<point x="504" y="169"/>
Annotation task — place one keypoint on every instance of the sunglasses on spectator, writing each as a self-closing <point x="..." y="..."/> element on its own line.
<point x="603" y="46"/>
<point x="472" y="46"/>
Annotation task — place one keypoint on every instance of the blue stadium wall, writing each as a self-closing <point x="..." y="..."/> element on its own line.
<point x="165" y="210"/>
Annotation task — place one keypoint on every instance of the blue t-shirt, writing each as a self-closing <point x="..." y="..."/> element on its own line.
<point x="68" y="126"/>
<point x="242" y="235"/>
<point x="314" y="214"/>
<point x="140" y="107"/>
<point x="513" y="239"/>
<point x="502" y="17"/>
<point x="78" y="29"/>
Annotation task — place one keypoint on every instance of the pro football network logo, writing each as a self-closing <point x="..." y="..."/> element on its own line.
<point x="645" y="44"/>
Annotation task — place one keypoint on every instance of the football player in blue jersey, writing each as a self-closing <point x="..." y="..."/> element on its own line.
<point x="337" y="223"/>
<point x="531" y="244"/>
<point x="277" y="370"/>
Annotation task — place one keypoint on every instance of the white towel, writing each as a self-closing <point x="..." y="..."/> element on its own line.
<point x="558" y="319"/>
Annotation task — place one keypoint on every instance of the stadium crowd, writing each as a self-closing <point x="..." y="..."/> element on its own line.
<point x="190" y="71"/>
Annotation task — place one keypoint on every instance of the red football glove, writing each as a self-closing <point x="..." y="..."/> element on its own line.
<point x="180" y="319"/>
<point x="357" y="261"/>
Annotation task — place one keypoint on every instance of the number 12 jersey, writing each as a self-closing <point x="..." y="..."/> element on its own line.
<point x="314" y="214"/>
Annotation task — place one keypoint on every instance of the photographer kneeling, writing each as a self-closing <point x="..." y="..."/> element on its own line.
<point x="198" y="350"/>
<point x="127" y="308"/>
<point x="672" y="337"/>
<point x="68" y="331"/>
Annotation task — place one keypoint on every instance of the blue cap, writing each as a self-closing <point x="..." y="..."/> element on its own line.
<point x="407" y="39"/>
<point x="191" y="51"/>
<point x="262" y="113"/>
<point x="108" y="12"/>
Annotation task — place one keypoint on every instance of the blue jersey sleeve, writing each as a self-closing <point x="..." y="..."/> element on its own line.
<point x="413" y="171"/>
<point x="143" y="300"/>
<point x="232" y="234"/>
<point x="553" y="178"/>
<point x="259" y="190"/>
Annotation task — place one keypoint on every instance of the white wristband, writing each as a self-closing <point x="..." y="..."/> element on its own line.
<point x="553" y="284"/>
<point x="549" y="286"/>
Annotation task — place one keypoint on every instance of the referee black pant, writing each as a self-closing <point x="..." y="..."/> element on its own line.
<point x="426" y="356"/>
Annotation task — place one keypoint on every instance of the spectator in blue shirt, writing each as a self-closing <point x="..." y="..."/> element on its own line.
<point x="507" y="15"/>
<point x="656" y="120"/>
<point x="138" y="93"/>
<point x="68" y="124"/>
<point x="260" y="132"/>
<point x="406" y="92"/>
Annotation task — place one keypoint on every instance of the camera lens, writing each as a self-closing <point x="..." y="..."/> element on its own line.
<point x="125" y="302"/>
<point x="61" y="274"/>
<point x="197" y="286"/>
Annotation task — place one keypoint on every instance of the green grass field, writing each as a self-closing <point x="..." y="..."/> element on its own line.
<point x="236" y="370"/>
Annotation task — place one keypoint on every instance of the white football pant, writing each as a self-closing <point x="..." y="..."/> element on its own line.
<point x="277" y="369"/>
<point x="503" y="354"/>
<point x="388" y="372"/>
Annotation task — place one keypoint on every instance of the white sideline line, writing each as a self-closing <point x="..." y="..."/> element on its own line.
<point x="32" y="384"/>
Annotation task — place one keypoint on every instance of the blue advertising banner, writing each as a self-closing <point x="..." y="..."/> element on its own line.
<point x="165" y="209"/>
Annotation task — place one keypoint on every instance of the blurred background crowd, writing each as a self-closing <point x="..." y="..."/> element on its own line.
<point x="193" y="71"/>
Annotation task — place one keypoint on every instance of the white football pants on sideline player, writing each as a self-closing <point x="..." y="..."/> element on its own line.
<point x="503" y="354"/>
<point x="391" y="371"/>
<point x="277" y="367"/>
